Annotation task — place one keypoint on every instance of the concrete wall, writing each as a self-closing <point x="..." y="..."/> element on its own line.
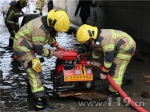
<point x="132" y="17"/>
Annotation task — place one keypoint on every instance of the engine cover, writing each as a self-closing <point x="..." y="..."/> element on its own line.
<point x="69" y="55"/>
<point x="80" y="73"/>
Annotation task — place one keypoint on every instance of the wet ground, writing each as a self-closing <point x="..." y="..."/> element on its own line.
<point x="13" y="90"/>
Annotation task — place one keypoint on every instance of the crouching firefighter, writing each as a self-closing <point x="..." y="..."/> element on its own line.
<point x="30" y="39"/>
<point x="117" y="47"/>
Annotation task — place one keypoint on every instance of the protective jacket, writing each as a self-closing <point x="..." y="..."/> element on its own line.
<point x="32" y="37"/>
<point x="118" y="48"/>
<point x="40" y="4"/>
<point x="12" y="18"/>
<point x="114" y="43"/>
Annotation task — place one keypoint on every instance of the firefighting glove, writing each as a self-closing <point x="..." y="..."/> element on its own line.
<point x="58" y="54"/>
<point x="103" y="76"/>
<point x="36" y="65"/>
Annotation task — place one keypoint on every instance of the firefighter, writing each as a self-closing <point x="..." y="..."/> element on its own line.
<point x="30" y="39"/>
<point x="39" y="6"/>
<point x="12" y="19"/>
<point x="117" y="47"/>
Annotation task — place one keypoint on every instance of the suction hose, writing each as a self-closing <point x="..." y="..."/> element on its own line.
<point x="124" y="95"/>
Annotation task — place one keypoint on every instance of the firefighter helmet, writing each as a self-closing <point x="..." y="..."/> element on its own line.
<point x="23" y="3"/>
<point x="59" y="20"/>
<point x="85" y="32"/>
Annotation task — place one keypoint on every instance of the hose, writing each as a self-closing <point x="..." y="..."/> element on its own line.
<point x="124" y="95"/>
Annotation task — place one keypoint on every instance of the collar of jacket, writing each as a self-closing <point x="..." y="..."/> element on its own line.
<point x="44" y="21"/>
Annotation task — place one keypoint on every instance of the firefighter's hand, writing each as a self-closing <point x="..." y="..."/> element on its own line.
<point x="58" y="54"/>
<point x="61" y="48"/>
<point x="103" y="76"/>
<point x="36" y="65"/>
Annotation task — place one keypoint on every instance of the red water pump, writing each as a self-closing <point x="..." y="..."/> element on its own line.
<point x="72" y="72"/>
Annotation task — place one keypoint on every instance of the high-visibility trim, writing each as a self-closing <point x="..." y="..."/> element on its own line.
<point x="22" y="33"/>
<point x="124" y="56"/>
<point x="110" y="46"/>
<point x="38" y="89"/>
<point x="121" y="70"/>
<point x="33" y="77"/>
<point x="39" y="8"/>
<point x="11" y="22"/>
<point x="46" y="52"/>
<point x="120" y="73"/>
<point x="35" y="85"/>
<point x="16" y="23"/>
<point x="118" y="81"/>
<point x="37" y="39"/>
<point x="22" y="48"/>
<point x="17" y="14"/>
<point x="38" y="106"/>
<point x="29" y="26"/>
<point x="107" y="64"/>
<point x="94" y="56"/>
<point x="113" y="34"/>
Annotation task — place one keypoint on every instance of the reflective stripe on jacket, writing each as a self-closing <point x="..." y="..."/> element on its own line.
<point x="33" y="36"/>
<point x="12" y="18"/>
<point x="114" y="42"/>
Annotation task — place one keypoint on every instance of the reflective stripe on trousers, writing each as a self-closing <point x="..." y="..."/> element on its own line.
<point x="121" y="65"/>
<point x="35" y="80"/>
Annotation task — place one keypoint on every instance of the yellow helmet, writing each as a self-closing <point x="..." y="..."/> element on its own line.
<point x="23" y="3"/>
<point x="59" y="20"/>
<point x="85" y="32"/>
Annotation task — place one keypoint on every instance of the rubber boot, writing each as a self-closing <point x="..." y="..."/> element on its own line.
<point x="113" y="94"/>
<point x="41" y="104"/>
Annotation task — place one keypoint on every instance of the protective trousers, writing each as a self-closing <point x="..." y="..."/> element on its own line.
<point x="35" y="79"/>
<point x="117" y="71"/>
<point x="12" y="34"/>
<point x="118" y="68"/>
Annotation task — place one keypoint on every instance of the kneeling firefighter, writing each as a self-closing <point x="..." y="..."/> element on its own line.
<point x="117" y="47"/>
<point x="30" y="39"/>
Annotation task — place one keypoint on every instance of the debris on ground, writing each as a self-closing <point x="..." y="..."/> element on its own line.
<point x="145" y="94"/>
<point x="85" y="95"/>
<point x="147" y="76"/>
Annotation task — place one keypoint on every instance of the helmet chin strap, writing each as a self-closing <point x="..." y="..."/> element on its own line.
<point x="98" y="39"/>
<point x="51" y="29"/>
<point x="88" y="45"/>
